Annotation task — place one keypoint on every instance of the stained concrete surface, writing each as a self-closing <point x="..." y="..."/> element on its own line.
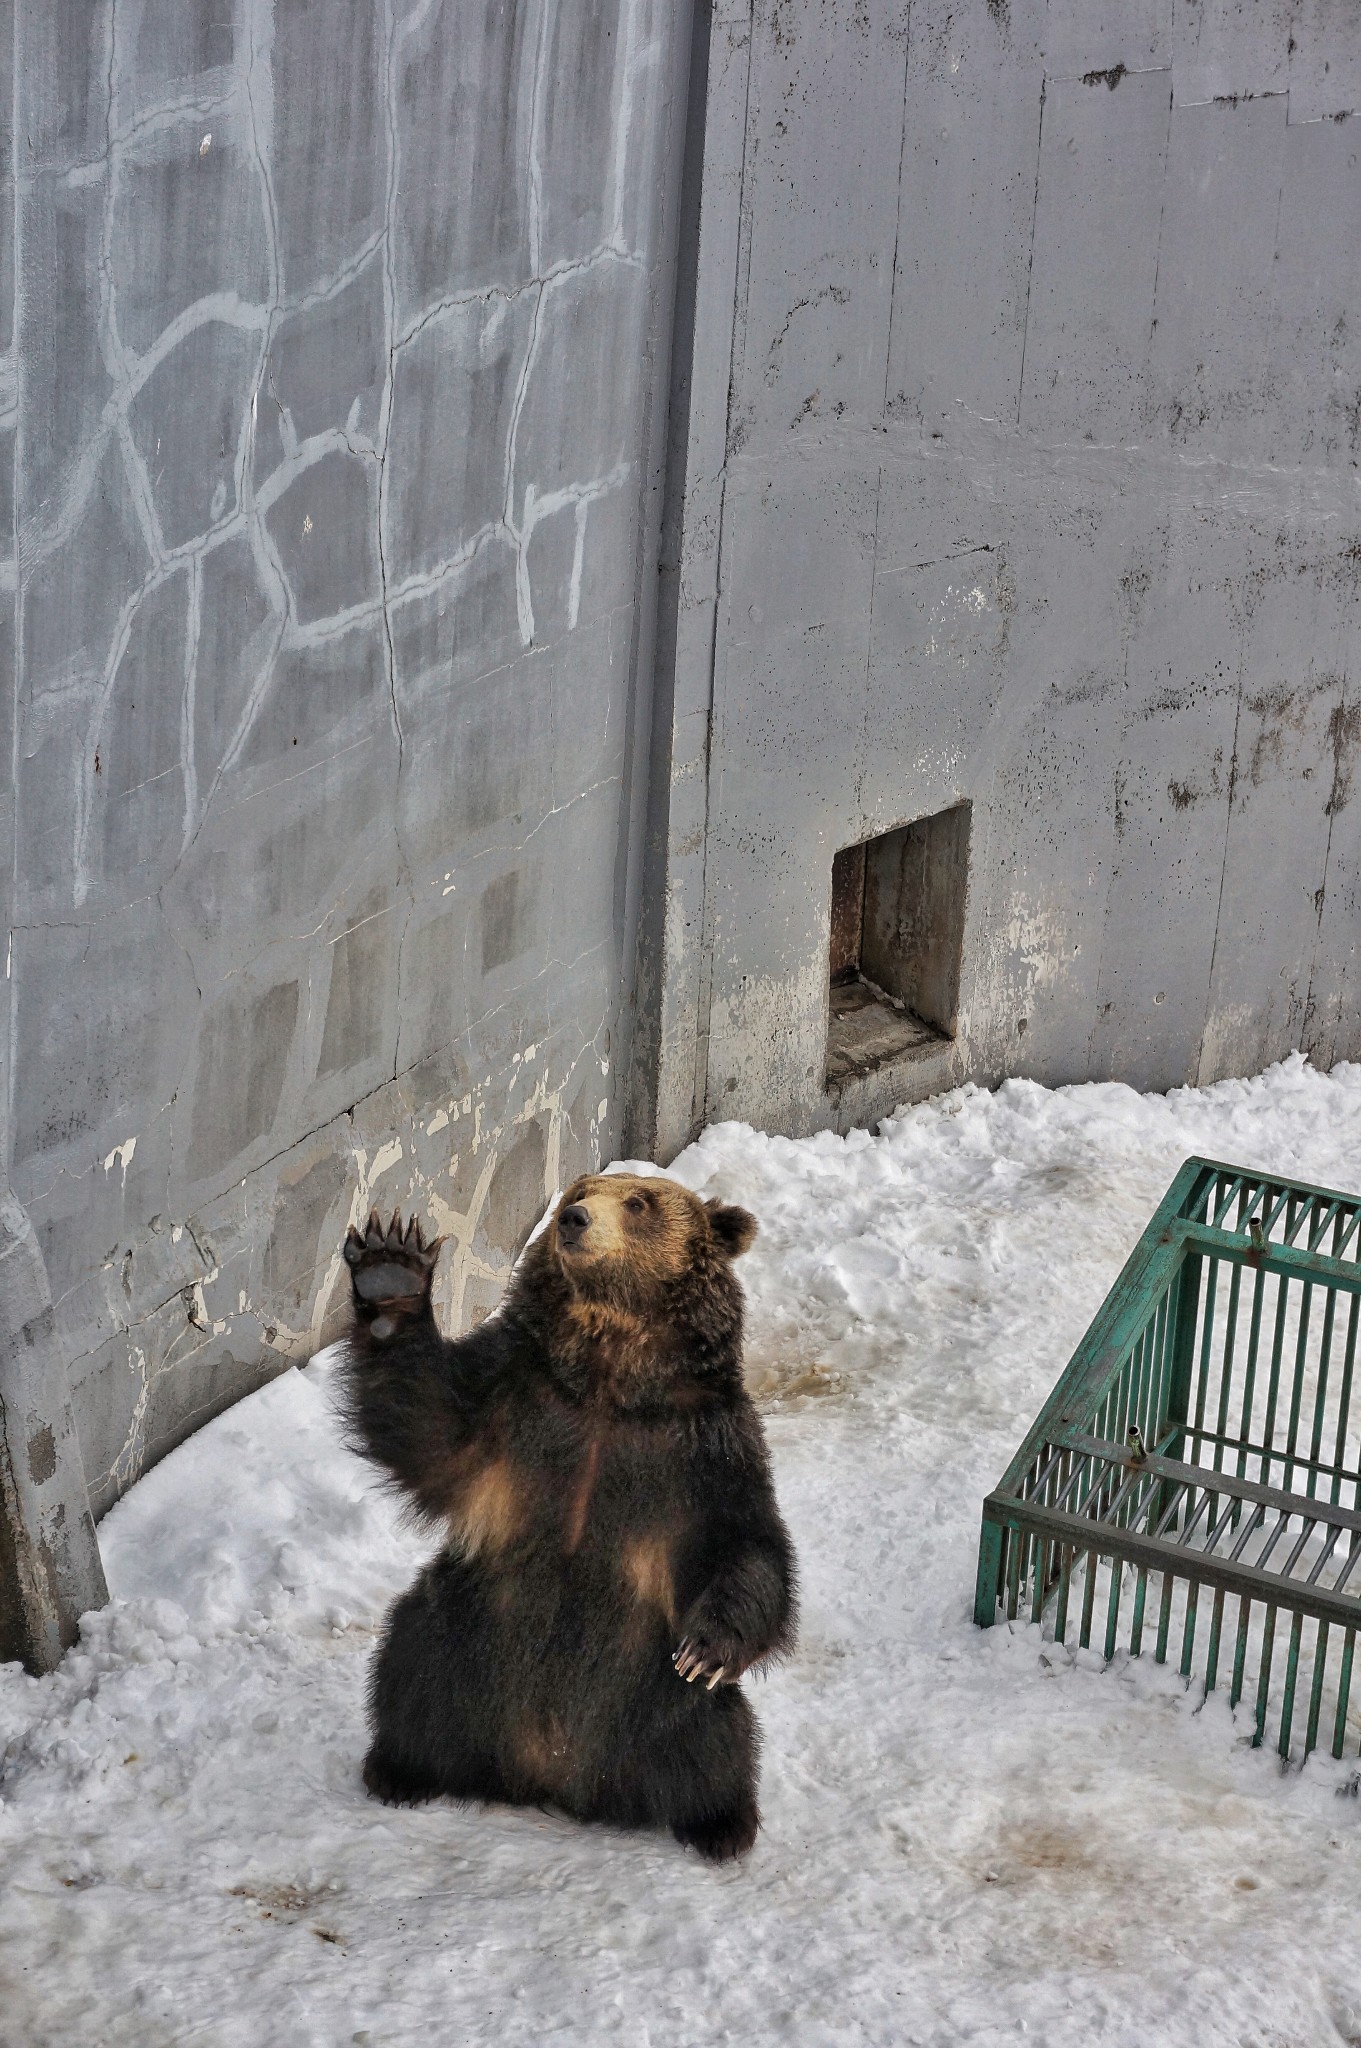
<point x="996" y="421"/>
<point x="1015" y="461"/>
<point x="336" y="337"/>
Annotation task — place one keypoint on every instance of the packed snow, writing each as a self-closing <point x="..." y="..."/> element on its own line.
<point x="970" y="1836"/>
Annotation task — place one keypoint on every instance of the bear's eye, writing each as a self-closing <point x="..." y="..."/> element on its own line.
<point x="637" y="1203"/>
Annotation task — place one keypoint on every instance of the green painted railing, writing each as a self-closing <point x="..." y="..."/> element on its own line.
<point x="1195" y="1476"/>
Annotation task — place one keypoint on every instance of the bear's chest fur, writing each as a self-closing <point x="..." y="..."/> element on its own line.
<point x="565" y="1496"/>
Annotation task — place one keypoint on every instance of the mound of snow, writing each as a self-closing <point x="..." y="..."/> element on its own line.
<point x="970" y="1836"/>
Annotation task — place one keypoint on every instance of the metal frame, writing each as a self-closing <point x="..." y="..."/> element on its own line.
<point x="1202" y="1436"/>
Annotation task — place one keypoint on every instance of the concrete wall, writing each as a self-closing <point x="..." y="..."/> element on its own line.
<point x="338" y="333"/>
<point x="992" y="375"/>
<point x="1017" y="430"/>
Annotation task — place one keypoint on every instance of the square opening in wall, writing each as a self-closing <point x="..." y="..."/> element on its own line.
<point x="897" y="939"/>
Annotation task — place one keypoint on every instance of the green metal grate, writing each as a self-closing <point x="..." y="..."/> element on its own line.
<point x="1194" y="1479"/>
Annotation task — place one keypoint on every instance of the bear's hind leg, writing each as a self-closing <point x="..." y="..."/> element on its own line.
<point x="394" y="1783"/>
<point x="721" y="1836"/>
<point x="430" y="1735"/>
<point x="400" y="1784"/>
<point x="698" y="1778"/>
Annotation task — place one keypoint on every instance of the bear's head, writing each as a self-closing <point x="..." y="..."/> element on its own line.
<point x="638" y="1239"/>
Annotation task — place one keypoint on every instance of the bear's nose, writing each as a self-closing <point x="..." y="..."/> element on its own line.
<point x="572" y="1222"/>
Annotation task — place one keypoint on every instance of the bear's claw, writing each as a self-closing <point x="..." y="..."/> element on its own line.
<point x="410" y="1243"/>
<point x="698" y="1660"/>
<point x="390" y="1268"/>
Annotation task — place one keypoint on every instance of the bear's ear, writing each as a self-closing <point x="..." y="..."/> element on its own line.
<point x="733" y="1229"/>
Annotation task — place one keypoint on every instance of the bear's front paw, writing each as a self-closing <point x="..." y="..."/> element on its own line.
<point x="711" y="1654"/>
<point x="390" y="1270"/>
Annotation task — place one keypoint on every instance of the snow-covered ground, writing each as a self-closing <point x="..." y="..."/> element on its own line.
<point x="970" y="1837"/>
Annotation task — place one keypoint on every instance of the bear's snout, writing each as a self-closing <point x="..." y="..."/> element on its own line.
<point x="572" y="1223"/>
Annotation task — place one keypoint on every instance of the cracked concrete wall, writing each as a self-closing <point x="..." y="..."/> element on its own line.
<point x="337" y="335"/>
<point x="1015" y="460"/>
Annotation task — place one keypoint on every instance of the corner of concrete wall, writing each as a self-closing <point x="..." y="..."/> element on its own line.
<point x="667" y="1102"/>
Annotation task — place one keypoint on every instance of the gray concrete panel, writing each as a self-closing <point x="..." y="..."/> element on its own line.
<point x="185" y="220"/>
<point x="1083" y="36"/>
<point x="464" y="196"/>
<point x="1209" y="371"/>
<point x="824" y="146"/>
<point x="1325" y="64"/>
<point x="940" y="641"/>
<point x="1099" y="519"/>
<point x="1335" y="970"/>
<point x="1097" y="208"/>
<point x="337" y="332"/>
<point x="1170" y="808"/>
<point x="966" y="212"/>
<point x="316" y="79"/>
<point x="1314" y="346"/>
<point x="1291" y="760"/>
<point x="1214" y="58"/>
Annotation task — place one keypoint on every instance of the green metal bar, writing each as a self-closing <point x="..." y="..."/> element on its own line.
<point x="1250" y="1448"/>
<point x="1206" y="1342"/>
<point x="1165" y="1614"/>
<point x="1155" y="1466"/>
<point x="1183" y="1352"/>
<point x="1292" y="1668"/>
<point x="1066" y="1556"/>
<point x="1113" y="1609"/>
<point x="1104" y="1409"/>
<point x="1274" y="1382"/>
<point x="1295" y="1213"/>
<point x="1250" y="1370"/>
<point x="1321" y="1391"/>
<point x="1150" y="1410"/>
<point x="1014" y="1540"/>
<point x="1126" y="1392"/>
<point x="1240" y="1651"/>
<point x="1230" y="1350"/>
<point x="1344" y="1691"/>
<point x="988" y="1591"/>
<point x="1344" y="1274"/>
<point x="1151" y="1418"/>
<point x="1297" y="1383"/>
<point x="1344" y="1400"/>
<point x="1136" y="1630"/>
<point x="1088" y="1599"/>
<point x="1208" y="1168"/>
<point x="1212" y="1653"/>
<point x="1188" y="1634"/>
<point x="1316" y="1688"/>
<point x="1319" y="1222"/>
<point x="1264" y="1675"/>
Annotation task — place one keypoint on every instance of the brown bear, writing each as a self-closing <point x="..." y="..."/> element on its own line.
<point x="615" y="1558"/>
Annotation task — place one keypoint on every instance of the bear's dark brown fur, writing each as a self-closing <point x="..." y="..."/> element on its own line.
<point x="616" y="1559"/>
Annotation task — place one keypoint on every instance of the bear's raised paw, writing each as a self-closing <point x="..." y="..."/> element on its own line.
<point x="390" y="1270"/>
